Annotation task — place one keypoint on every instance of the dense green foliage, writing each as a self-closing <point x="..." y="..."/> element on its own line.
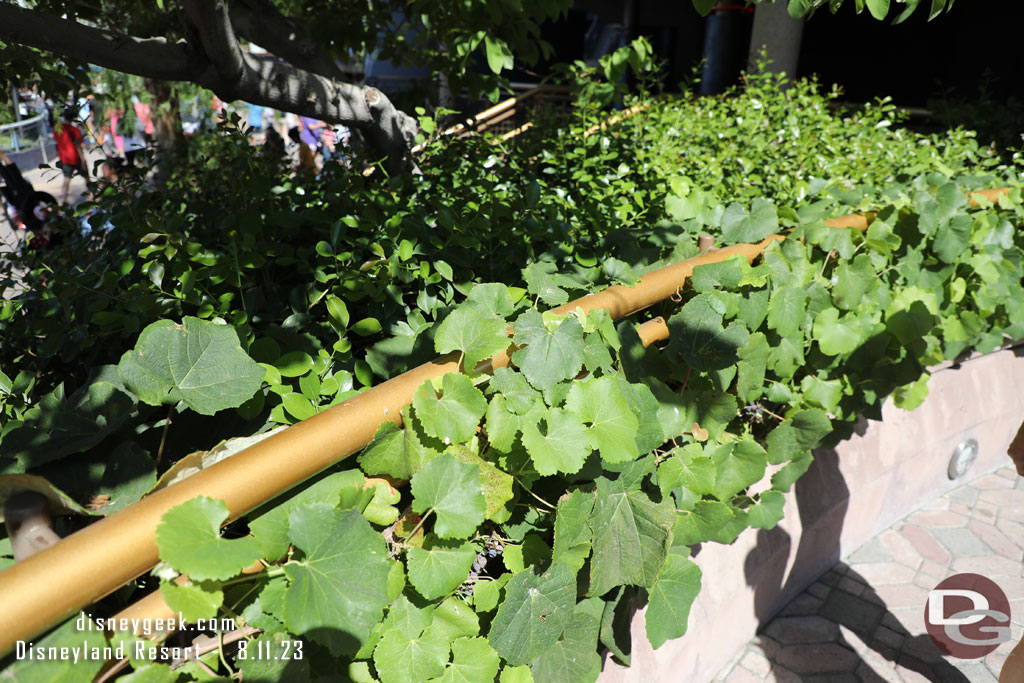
<point x="545" y="501"/>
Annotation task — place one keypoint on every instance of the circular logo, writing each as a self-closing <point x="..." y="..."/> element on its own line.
<point x="967" y="616"/>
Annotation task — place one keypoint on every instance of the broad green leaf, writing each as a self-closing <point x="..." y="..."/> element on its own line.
<point x="740" y="226"/>
<point x="768" y="510"/>
<point x="726" y="274"/>
<point x="878" y="8"/>
<point x="631" y="537"/>
<point x="572" y="532"/>
<point x="786" y="357"/>
<point x="645" y="406"/>
<point x="557" y="442"/>
<point x="439" y="568"/>
<point x="824" y="394"/>
<point x="454" y="415"/>
<point x="56" y="427"/>
<point x="456" y="619"/>
<point x="340" y="489"/>
<point x="698" y="335"/>
<point x="408" y="618"/>
<point x="503" y="425"/>
<point x="702" y="523"/>
<point x="544" y="281"/>
<point x="396" y="452"/>
<point x="487" y="594"/>
<point x="473" y="661"/>
<point x="752" y="365"/>
<point x="800" y="433"/>
<point x="496" y="484"/>
<point x="612" y="425"/>
<point x="294" y="364"/>
<point x="516" y="674"/>
<point x="738" y="465"/>
<point x="475" y="335"/>
<point x="498" y="54"/>
<point x="714" y="409"/>
<point x="784" y="478"/>
<point x="836" y="336"/>
<point x="668" y="607"/>
<point x="198" y="362"/>
<point x="194" y="601"/>
<point x="596" y="355"/>
<point x="854" y="281"/>
<point x="491" y="299"/>
<point x="536" y="609"/>
<point x="912" y="395"/>
<point x="401" y="659"/>
<point x="567" y="662"/>
<point x="688" y="467"/>
<point x="188" y="537"/>
<point x="548" y="357"/>
<point x="452" y="489"/>
<point x="952" y="238"/>
<point x="337" y="591"/>
<point x="518" y="395"/>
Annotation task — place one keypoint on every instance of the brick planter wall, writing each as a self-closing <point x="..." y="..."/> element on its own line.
<point x="884" y="472"/>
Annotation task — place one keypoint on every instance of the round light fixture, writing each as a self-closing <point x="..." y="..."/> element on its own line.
<point x="964" y="456"/>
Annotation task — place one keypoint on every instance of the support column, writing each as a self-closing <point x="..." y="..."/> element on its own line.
<point x="779" y="34"/>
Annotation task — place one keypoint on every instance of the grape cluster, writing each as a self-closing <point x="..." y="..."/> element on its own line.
<point x="754" y="412"/>
<point x="492" y="550"/>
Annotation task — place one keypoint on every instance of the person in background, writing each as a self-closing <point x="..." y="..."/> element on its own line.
<point x="145" y="116"/>
<point x="311" y="131"/>
<point x="69" y="150"/>
<point x="255" y="118"/>
<point x="273" y="145"/>
<point x="306" y="161"/>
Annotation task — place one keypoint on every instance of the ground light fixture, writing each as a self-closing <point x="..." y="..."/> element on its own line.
<point x="964" y="455"/>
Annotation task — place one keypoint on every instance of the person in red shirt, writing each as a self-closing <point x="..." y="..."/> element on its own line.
<point x="69" y="149"/>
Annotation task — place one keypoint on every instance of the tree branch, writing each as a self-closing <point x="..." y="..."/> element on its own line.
<point x="262" y="23"/>
<point x="213" y="59"/>
<point x="149" y="57"/>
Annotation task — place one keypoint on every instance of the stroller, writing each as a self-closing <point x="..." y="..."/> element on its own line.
<point x="24" y="207"/>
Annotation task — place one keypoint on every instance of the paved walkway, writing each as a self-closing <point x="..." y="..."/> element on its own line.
<point x="864" y="619"/>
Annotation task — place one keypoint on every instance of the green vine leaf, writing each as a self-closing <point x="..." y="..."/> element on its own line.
<point x="612" y="426"/>
<point x="438" y="568"/>
<point x="396" y="452"/>
<point x="337" y="591"/>
<point x="454" y="415"/>
<point x="556" y="443"/>
<point x="401" y="658"/>
<point x="631" y="537"/>
<point x="188" y="537"/>
<point x="737" y="465"/>
<point x="473" y="660"/>
<point x="452" y="490"/>
<point x="548" y="357"/>
<point x="573" y="534"/>
<point x="740" y="226"/>
<point x="668" y="609"/>
<point x="534" y="613"/>
<point x="193" y="601"/>
<point x="698" y="334"/>
<point x="198" y="362"/>
<point x="475" y="335"/>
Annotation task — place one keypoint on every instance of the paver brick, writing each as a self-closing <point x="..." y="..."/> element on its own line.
<point x="965" y="495"/>
<point x="985" y="510"/>
<point x="990" y="566"/>
<point x="818" y="658"/>
<point x="802" y="605"/>
<point x="872" y="551"/>
<point x="1013" y="530"/>
<point x="961" y="542"/>
<point x="976" y="672"/>
<point x="908" y="619"/>
<point x="1013" y="513"/>
<point x="925" y="544"/>
<point x="886" y="573"/>
<point x="935" y="519"/>
<point x="902" y="596"/>
<point x="819" y="590"/>
<point x="1002" y="497"/>
<point x="851" y="585"/>
<point x="793" y="630"/>
<point x="856" y="643"/>
<point x="993" y="481"/>
<point x="938" y="571"/>
<point x="886" y="635"/>
<point x="755" y="661"/>
<point x="741" y="675"/>
<point x="855" y="613"/>
<point x="781" y="674"/>
<point x="959" y="508"/>
<point x="996" y="540"/>
<point x="921" y="647"/>
<point x="869" y="675"/>
<point x="900" y="549"/>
